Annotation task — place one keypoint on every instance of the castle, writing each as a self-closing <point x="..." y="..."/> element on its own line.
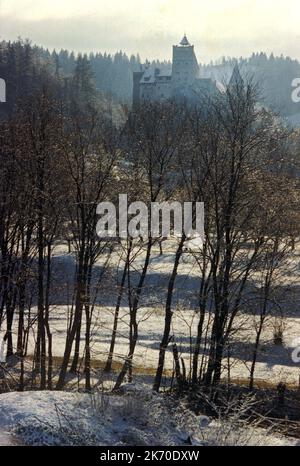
<point x="183" y="82"/>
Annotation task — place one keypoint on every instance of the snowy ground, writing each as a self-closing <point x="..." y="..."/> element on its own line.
<point x="137" y="417"/>
<point x="274" y="362"/>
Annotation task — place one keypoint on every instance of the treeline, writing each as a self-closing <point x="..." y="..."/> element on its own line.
<point x="61" y="156"/>
<point x="112" y="74"/>
<point x="20" y="63"/>
<point x="274" y="76"/>
<point x="28" y="69"/>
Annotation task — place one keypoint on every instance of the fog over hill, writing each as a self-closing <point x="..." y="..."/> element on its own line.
<point x="112" y="73"/>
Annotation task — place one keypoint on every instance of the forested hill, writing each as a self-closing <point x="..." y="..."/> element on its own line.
<point x="273" y="75"/>
<point x="112" y="74"/>
<point x="29" y="70"/>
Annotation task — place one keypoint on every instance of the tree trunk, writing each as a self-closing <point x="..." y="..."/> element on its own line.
<point x="116" y="316"/>
<point x="168" y="318"/>
<point x="133" y="322"/>
<point x="197" y="347"/>
<point x="80" y="293"/>
<point x="47" y="310"/>
<point x="87" y="365"/>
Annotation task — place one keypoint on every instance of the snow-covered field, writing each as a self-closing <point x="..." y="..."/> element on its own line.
<point x="274" y="362"/>
<point x="137" y="417"/>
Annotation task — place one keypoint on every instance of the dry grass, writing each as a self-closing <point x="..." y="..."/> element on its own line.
<point x="261" y="383"/>
<point x="98" y="365"/>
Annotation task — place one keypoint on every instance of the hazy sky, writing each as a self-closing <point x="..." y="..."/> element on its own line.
<point x="150" y="27"/>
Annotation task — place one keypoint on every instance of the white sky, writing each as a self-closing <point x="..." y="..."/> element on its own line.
<point x="150" y="27"/>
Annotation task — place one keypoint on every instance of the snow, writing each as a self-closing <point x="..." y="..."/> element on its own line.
<point x="137" y="416"/>
<point x="274" y="362"/>
<point x="7" y="439"/>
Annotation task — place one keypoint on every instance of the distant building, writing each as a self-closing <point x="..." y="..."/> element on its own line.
<point x="182" y="82"/>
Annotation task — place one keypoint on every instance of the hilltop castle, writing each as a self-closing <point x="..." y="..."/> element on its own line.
<point x="183" y="82"/>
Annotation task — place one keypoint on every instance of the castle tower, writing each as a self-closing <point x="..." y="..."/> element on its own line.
<point x="137" y="76"/>
<point x="181" y="84"/>
<point x="185" y="67"/>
